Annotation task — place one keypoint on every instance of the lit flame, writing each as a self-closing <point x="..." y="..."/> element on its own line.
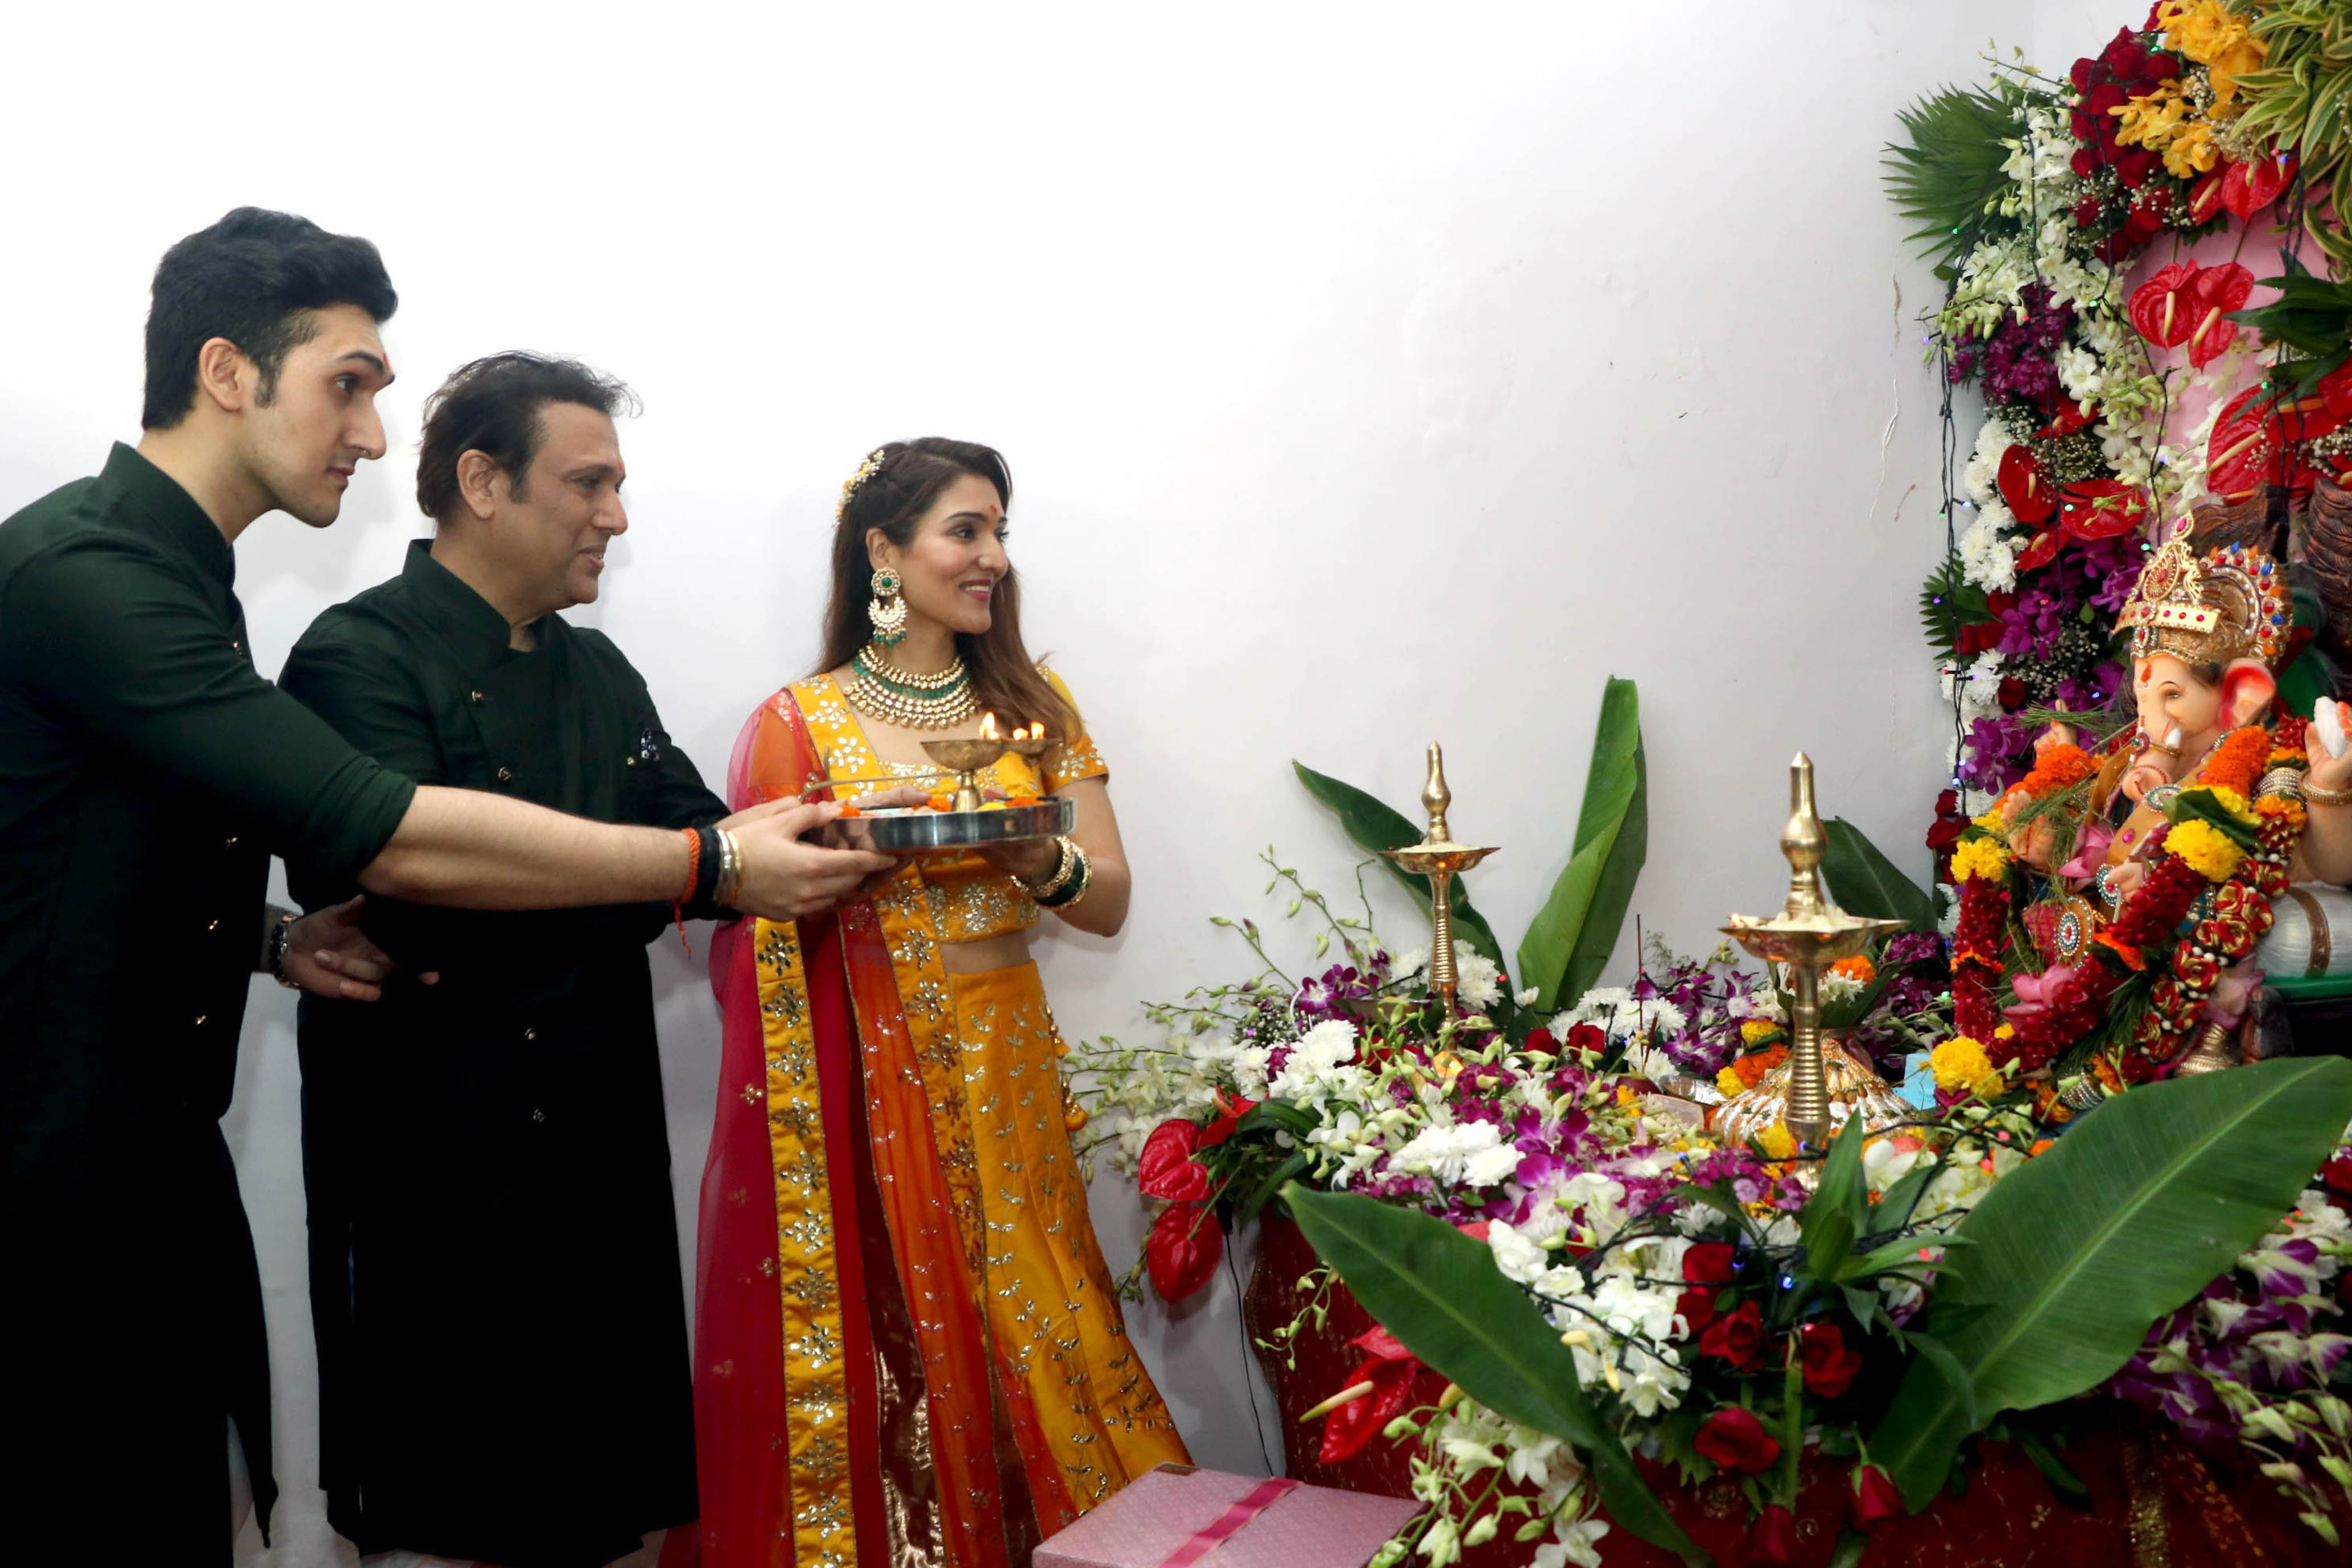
<point x="988" y="726"/>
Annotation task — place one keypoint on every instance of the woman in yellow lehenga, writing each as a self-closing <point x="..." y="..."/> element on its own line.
<point x="908" y="1350"/>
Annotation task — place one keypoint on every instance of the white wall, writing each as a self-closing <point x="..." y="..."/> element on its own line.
<point x="1371" y="374"/>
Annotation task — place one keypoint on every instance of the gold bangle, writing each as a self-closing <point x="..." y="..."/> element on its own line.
<point x="1063" y="871"/>
<point x="2315" y="796"/>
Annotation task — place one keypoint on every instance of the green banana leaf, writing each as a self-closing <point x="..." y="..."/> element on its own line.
<point x="1569" y="940"/>
<point x="1865" y="882"/>
<point x="1440" y="1292"/>
<point x="2076" y="1253"/>
<point x="1375" y="827"/>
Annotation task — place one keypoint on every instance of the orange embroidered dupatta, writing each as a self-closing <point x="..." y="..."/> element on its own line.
<point x="831" y="1067"/>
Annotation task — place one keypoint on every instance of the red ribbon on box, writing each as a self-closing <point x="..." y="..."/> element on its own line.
<point x="1228" y="1524"/>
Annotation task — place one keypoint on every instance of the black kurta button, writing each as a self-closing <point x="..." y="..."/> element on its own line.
<point x="506" y="775"/>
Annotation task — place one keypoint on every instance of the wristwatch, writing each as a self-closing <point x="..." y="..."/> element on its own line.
<point x="281" y="937"/>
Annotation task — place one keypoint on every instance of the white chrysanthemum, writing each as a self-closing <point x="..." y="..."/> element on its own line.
<point x="1988" y="560"/>
<point x="1249" y="1071"/>
<point x="1480" y="978"/>
<point x="1521" y="1260"/>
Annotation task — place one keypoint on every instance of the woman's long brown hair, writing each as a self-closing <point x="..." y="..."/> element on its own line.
<point x="893" y="498"/>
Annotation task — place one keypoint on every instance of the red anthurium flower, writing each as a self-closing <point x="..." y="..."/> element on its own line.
<point x="2039" y="554"/>
<point x="1167" y="1169"/>
<point x="1231" y="1108"/>
<point x="1735" y="1440"/>
<point x="1349" y="1428"/>
<point x="1738" y="1337"/>
<point x="1377" y="1341"/>
<point x="2205" y="197"/>
<point x="1829" y="1365"/>
<point x="1182" y="1250"/>
<point x="2335" y="386"/>
<point x="1476" y="1229"/>
<point x="1875" y="1499"/>
<point x="2072" y="417"/>
<point x="2161" y="307"/>
<point x="2248" y="188"/>
<point x="2243" y="454"/>
<point x="2217" y="290"/>
<point x="1770" y="1540"/>
<point x="2101" y="509"/>
<point x="2025" y="489"/>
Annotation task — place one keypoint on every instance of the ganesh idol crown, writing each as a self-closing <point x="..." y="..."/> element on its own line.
<point x="2111" y="903"/>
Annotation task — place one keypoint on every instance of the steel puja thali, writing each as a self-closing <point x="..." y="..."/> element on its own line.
<point x="897" y="830"/>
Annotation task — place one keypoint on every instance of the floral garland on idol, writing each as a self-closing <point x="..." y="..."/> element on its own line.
<point x="2108" y="403"/>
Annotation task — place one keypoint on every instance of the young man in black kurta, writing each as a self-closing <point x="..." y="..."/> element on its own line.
<point x="494" y="1281"/>
<point x="146" y="775"/>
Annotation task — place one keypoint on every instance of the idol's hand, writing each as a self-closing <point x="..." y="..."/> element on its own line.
<point x="327" y="955"/>
<point x="784" y="878"/>
<point x="2331" y="721"/>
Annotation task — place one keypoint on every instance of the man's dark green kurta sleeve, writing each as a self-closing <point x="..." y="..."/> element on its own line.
<point x="146" y="774"/>
<point x="101" y="635"/>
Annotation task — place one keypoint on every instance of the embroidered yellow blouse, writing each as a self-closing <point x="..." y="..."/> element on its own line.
<point x="970" y="899"/>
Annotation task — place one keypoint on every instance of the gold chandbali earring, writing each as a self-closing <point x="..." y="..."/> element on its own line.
<point x="887" y="609"/>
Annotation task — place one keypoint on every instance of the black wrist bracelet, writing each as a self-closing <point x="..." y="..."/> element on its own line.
<point x="706" y="868"/>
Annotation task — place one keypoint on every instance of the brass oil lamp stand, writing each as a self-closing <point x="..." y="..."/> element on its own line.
<point x="1440" y="859"/>
<point x="1809" y="935"/>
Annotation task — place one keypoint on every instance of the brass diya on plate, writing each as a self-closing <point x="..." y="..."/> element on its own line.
<point x="1809" y="935"/>
<point x="971" y="822"/>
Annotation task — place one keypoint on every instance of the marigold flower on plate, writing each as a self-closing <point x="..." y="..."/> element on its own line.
<point x="1729" y="1082"/>
<point x="1778" y="1141"/>
<point x="1980" y="857"/>
<point x="2211" y="853"/>
<point x="1758" y="1029"/>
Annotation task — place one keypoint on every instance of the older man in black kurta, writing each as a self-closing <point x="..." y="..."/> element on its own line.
<point x="494" y="1275"/>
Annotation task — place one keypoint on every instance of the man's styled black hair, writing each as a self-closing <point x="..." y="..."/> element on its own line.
<point x="492" y="407"/>
<point x="253" y="278"/>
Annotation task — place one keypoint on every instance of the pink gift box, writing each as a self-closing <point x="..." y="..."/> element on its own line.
<point x="1188" y="1516"/>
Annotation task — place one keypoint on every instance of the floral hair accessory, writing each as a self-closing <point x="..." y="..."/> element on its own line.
<point x="866" y="470"/>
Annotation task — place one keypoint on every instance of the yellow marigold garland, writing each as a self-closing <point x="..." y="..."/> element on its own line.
<point x="2210" y="852"/>
<point x="1982" y="857"/>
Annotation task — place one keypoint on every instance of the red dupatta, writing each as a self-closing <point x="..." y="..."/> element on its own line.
<point x="786" y="1373"/>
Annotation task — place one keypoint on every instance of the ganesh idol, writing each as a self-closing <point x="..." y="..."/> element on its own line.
<point x="2145" y="866"/>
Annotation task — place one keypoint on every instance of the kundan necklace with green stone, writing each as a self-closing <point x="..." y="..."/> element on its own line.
<point x="881" y="689"/>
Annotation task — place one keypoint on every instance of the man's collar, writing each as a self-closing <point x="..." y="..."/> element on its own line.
<point x="465" y="612"/>
<point x="158" y="498"/>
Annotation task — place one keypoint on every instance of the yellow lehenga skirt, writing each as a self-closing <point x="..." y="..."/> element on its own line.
<point x="1051" y="1305"/>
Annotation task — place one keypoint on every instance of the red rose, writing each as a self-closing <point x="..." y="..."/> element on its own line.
<point x="1735" y="1440"/>
<point x="1829" y="1365"/>
<point x="2080" y="75"/>
<point x="1541" y="1040"/>
<point x="1167" y="1169"/>
<point x="1182" y="1250"/>
<point x="2134" y="167"/>
<point x="1737" y="1338"/>
<point x="1770" y="1539"/>
<point x="2013" y="697"/>
<point x="1707" y="1263"/>
<point x="1875" y="1500"/>
<point x="2337" y="1175"/>
<point x="1587" y="1037"/>
<point x="1696" y="1308"/>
